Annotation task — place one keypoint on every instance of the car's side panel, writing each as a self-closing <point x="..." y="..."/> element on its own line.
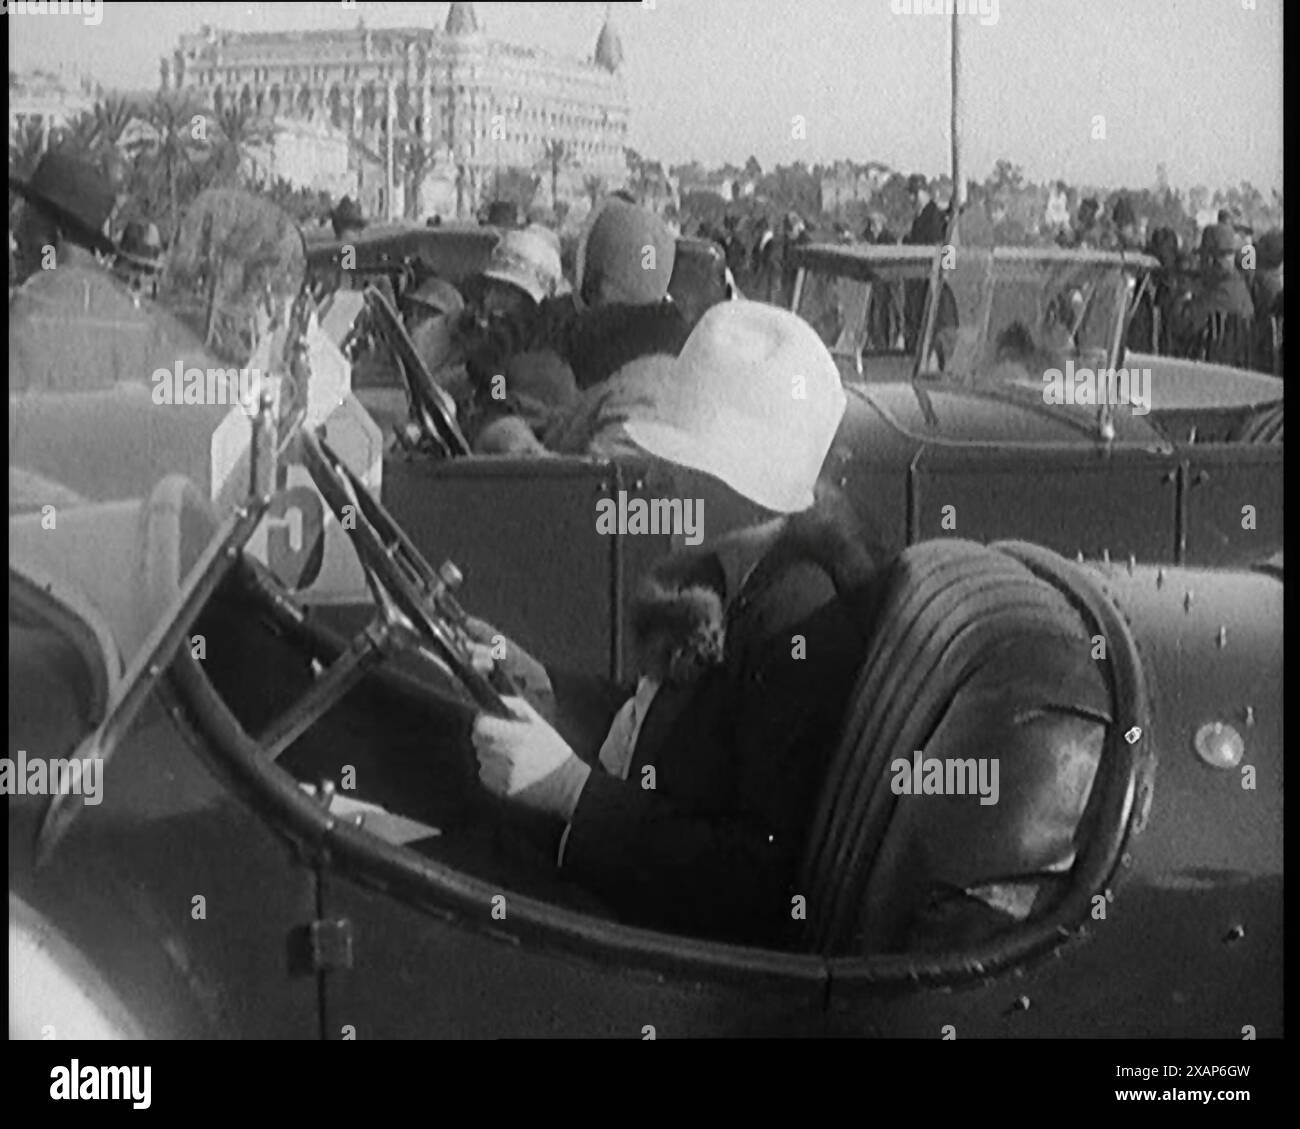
<point x="1233" y="503"/>
<point x="1121" y="502"/>
<point x="419" y="975"/>
<point x="524" y="533"/>
<point x="124" y="885"/>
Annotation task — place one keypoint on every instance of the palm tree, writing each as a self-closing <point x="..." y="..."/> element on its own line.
<point x="174" y="117"/>
<point x="26" y="146"/>
<point x="241" y="130"/>
<point x="594" y="187"/>
<point x="112" y="116"/>
<point x="556" y="154"/>
<point x="416" y="160"/>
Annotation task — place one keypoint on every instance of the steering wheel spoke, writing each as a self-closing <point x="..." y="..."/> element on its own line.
<point x="416" y="606"/>
<point x="366" y="651"/>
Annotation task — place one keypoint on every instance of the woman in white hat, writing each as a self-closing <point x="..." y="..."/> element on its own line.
<point x="691" y="816"/>
<point x="522" y="384"/>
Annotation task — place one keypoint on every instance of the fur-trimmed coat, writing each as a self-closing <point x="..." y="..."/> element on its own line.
<point x="758" y="640"/>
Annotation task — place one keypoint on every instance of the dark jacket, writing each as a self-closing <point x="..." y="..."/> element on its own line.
<point x="600" y="341"/>
<point x="1221" y="319"/>
<point x="620" y="356"/>
<point x="78" y="327"/>
<point x="738" y="738"/>
<point x="929" y="226"/>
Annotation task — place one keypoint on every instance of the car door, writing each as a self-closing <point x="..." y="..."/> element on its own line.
<point x="451" y="957"/>
<point x="1231" y="503"/>
<point x="1075" y="499"/>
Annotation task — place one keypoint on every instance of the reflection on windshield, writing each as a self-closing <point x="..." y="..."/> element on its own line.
<point x="855" y="317"/>
<point x="1008" y="322"/>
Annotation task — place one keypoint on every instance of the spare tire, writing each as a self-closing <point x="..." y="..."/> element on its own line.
<point x="953" y="612"/>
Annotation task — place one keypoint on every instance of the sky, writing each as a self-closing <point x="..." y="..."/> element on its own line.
<point x="1097" y="92"/>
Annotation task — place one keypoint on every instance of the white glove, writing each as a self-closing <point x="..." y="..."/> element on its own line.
<point x="525" y="760"/>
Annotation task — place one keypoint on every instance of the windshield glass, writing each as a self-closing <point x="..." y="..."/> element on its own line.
<point x="859" y="316"/>
<point x="1011" y="321"/>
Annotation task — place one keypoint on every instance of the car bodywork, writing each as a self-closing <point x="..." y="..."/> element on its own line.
<point x="214" y="893"/>
<point x="1187" y="480"/>
<point x="351" y="879"/>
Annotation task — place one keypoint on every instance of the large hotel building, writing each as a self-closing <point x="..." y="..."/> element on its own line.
<point x="471" y="105"/>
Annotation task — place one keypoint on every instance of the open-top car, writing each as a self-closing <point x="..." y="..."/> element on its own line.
<point x="277" y="828"/>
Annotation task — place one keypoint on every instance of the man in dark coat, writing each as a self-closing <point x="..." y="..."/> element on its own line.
<point x="1221" y="314"/>
<point x="928" y="223"/>
<point x="1266" y="292"/>
<point x="73" y="324"/>
<point x="693" y="815"/>
<point x="929" y="228"/>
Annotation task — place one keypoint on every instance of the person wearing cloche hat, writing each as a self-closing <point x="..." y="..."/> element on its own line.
<point x="730" y="722"/>
<point x="521" y="384"/>
<point x="624" y="264"/>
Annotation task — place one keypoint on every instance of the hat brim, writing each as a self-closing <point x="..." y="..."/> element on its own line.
<point x="96" y="240"/>
<point x="140" y="262"/>
<point x="532" y="289"/>
<point x="726" y="455"/>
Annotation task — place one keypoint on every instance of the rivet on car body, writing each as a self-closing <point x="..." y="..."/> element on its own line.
<point x="1126" y="859"/>
<point x="1236" y="933"/>
<point x="1160" y="578"/>
<point x="1187" y="600"/>
<point x="1222" y="637"/>
<point x="1079" y="556"/>
<point x="1021" y="1003"/>
<point x="1219" y="745"/>
<point x="1133" y="736"/>
<point x="1248" y="715"/>
<point x="1105" y="556"/>
<point x="1132" y="563"/>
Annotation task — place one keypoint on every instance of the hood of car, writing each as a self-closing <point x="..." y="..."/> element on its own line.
<point x="937" y="413"/>
<point x="1179" y="385"/>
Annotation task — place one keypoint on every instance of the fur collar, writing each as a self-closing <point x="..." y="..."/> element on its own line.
<point x="680" y="614"/>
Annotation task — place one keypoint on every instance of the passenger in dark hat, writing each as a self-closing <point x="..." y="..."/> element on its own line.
<point x="628" y="330"/>
<point x="347" y="220"/>
<point x="1220" y="317"/>
<point x="140" y="255"/>
<point x="699" y="281"/>
<point x="73" y="325"/>
<point x="67" y="204"/>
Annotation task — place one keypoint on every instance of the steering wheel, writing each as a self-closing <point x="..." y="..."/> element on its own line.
<point x="416" y="608"/>
<point x="431" y="408"/>
<point x="416" y="613"/>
